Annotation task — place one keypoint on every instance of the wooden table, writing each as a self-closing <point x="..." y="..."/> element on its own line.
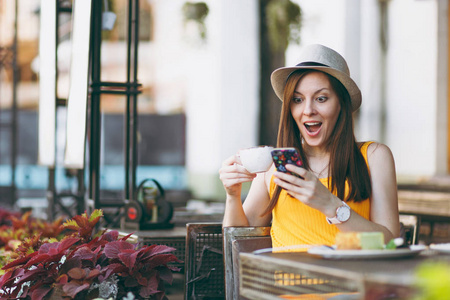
<point x="428" y="206"/>
<point x="271" y="275"/>
<point x="425" y="203"/>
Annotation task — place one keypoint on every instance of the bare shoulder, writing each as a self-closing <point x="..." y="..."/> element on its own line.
<point x="379" y="152"/>
<point x="381" y="161"/>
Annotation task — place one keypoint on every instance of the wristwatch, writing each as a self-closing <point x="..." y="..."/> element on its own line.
<point x="342" y="214"/>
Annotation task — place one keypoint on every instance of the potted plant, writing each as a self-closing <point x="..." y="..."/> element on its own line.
<point x="284" y="20"/>
<point x="15" y="228"/>
<point x="196" y="13"/>
<point x="81" y="265"/>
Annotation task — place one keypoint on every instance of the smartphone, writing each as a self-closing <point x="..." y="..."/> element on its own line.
<point x="283" y="156"/>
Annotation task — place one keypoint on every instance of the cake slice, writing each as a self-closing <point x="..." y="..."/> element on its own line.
<point x="359" y="241"/>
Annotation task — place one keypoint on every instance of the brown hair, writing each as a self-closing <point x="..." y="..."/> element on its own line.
<point x="346" y="161"/>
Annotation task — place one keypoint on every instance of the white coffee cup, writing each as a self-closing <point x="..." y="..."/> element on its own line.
<point x="256" y="159"/>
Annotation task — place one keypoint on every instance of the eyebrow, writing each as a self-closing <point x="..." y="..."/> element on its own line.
<point x="316" y="92"/>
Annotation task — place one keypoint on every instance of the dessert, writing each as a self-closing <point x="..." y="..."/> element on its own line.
<point x="359" y="241"/>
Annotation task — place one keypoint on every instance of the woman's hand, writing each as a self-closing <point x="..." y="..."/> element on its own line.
<point x="233" y="174"/>
<point x="308" y="190"/>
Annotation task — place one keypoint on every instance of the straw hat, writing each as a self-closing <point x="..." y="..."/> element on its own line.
<point x="319" y="57"/>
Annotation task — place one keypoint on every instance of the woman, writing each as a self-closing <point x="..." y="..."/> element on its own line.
<point x="345" y="185"/>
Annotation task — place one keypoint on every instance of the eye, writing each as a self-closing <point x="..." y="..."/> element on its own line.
<point x="297" y="100"/>
<point x="322" y="99"/>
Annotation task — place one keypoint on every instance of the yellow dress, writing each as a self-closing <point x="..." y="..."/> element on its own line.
<point x="294" y="223"/>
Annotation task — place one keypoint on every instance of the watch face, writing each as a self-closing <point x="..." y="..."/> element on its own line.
<point x="343" y="213"/>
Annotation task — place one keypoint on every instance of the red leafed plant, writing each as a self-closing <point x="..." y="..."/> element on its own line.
<point x="86" y="266"/>
<point x="20" y="234"/>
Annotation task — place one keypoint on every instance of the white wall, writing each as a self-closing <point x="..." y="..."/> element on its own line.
<point x="239" y="119"/>
<point x="370" y="113"/>
<point x="415" y="114"/>
<point x="415" y="97"/>
<point x="323" y="22"/>
<point x="411" y="86"/>
<point x="231" y="123"/>
<point x="335" y="24"/>
<point x="217" y="81"/>
<point x="214" y="81"/>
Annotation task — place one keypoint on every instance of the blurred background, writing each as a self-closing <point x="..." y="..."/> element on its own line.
<point x="205" y="67"/>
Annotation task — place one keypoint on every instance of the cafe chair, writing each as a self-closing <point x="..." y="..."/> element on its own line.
<point x="409" y="228"/>
<point x="239" y="240"/>
<point x="204" y="268"/>
<point x="212" y="258"/>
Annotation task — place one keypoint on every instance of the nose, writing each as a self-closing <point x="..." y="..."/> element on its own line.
<point x="309" y="108"/>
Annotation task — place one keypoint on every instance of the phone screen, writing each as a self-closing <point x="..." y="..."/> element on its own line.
<point x="283" y="156"/>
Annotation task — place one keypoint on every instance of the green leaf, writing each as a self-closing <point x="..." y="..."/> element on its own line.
<point x="98" y="213"/>
<point x="391" y="245"/>
<point x="70" y="222"/>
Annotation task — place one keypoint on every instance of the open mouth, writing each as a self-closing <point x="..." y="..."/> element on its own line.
<point x="313" y="127"/>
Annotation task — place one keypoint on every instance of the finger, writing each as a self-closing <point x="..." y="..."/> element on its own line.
<point x="233" y="168"/>
<point x="241" y="169"/>
<point x="230" y="176"/>
<point x="238" y="158"/>
<point x="230" y="160"/>
<point x="289" y="178"/>
<point x="300" y="171"/>
<point x="289" y="186"/>
<point x="235" y="171"/>
<point x="234" y="181"/>
<point x="230" y="181"/>
<point x="299" y="197"/>
<point x="296" y="192"/>
<point x="235" y="163"/>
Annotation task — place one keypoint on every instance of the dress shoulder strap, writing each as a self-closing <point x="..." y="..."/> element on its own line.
<point x="363" y="148"/>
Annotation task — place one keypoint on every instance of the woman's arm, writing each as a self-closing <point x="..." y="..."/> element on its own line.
<point x="384" y="206"/>
<point x="384" y="200"/>
<point x="258" y="199"/>
<point x="233" y="174"/>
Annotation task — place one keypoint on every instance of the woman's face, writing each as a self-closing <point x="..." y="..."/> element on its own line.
<point x="315" y="108"/>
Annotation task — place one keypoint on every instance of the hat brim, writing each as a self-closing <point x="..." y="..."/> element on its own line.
<point x="279" y="77"/>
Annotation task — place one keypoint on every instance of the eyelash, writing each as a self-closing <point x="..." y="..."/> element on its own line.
<point x="320" y="99"/>
<point x="297" y="100"/>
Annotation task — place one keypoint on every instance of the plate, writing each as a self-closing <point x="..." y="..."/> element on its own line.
<point x="444" y="248"/>
<point x="329" y="253"/>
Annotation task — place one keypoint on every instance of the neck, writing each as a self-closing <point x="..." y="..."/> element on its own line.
<point x="316" y="152"/>
<point x="318" y="160"/>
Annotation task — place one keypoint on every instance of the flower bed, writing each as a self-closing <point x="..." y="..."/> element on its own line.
<point x="68" y="261"/>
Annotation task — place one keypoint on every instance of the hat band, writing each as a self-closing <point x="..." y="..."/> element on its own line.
<point x="307" y="64"/>
<point x="311" y="64"/>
